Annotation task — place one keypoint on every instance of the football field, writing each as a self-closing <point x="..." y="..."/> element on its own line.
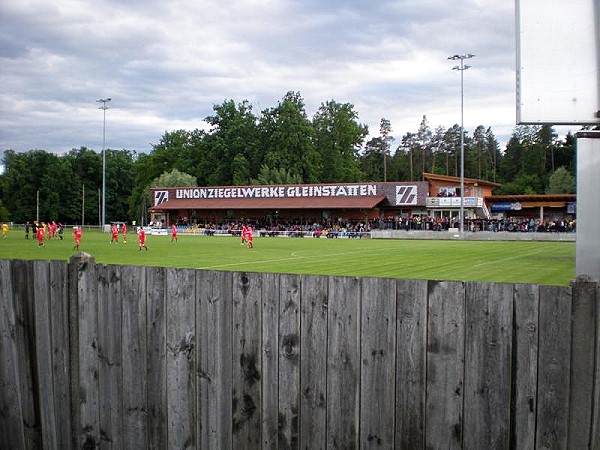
<point x="500" y="261"/>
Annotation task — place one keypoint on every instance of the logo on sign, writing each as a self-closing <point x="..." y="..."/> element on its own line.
<point x="406" y="195"/>
<point x="160" y="197"/>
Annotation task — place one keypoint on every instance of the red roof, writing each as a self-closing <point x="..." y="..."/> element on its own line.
<point x="273" y="203"/>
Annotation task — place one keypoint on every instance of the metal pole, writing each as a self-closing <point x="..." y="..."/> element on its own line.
<point x="104" y="107"/>
<point x="461" y="68"/>
<point x="99" y="210"/>
<point x="462" y="150"/>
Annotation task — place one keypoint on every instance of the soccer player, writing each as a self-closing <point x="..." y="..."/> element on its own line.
<point x="4" y="230"/>
<point x="124" y="231"/>
<point x="40" y="236"/>
<point x="249" y="237"/>
<point x="244" y="233"/>
<point x="142" y="239"/>
<point x="52" y="230"/>
<point x="115" y="233"/>
<point x="77" y="232"/>
<point x="174" y="233"/>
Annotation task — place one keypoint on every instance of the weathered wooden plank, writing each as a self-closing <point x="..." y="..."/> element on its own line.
<point x="73" y="311"/>
<point x="411" y="299"/>
<point x="87" y="389"/>
<point x="43" y="352"/>
<point x="135" y="383"/>
<point x="343" y="366"/>
<point x="59" y="318"/>
<point x="23" y="286"/>
<point x="313" y="362"/>
<point x="270" y="360"/>
<point x="525" y="368"/>
<point x="156" y="358"/>
<point x="247" y="331"/>
<point x="488" y="357"/>
<point x="214" y="328"/>
<point x="445" y="365"/>
<point x="378" y="363"/>
<point x="11" y="422"/>
<point x="181" y="340"/>
<point x="110" y="380"/>
<point x="289" y="358"/>
<point x="554" y="367"/>
<point x="581" y="391"/>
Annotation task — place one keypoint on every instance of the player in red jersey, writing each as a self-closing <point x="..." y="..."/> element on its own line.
<point x="124" y="231"/>
<point x="40" y="236"/>
<point x="244" y="234"/>
<point x="173" y="233"/>
<point x="114" y="231"/>
<point x="142" y="238"/>
<point x="77" y="232"/>
<point x="249" y="237"/>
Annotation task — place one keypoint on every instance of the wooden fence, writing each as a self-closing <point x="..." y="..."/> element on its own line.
<point x="123" y="357"/>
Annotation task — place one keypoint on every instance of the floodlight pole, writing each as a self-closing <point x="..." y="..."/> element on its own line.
<point x="461" y="69"/>
<point x="104" y="107"/>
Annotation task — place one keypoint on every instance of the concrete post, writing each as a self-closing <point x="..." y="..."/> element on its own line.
<point x="588" y="204"/>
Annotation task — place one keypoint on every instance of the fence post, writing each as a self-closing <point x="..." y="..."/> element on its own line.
<point x="583" y="401"/>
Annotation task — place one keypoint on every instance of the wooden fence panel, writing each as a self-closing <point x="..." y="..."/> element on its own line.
<point x="445" y="365"/>
<point x="488" y="360"/>
<point x="11" y="416"/>
<point x="313" y="362"/>
<point x="43" y="352"/>
<point x="554" y="367"/>
<point x="525" y="368"/>
<point x="411" y="300"/>
<point x="247" y="332"/>
<point x="581" y="391"/>
<point x="214" y="328"/>
<point x="156" y="326"/>
<point x="110" y="369"/>
<point x="87" y="392"/>
<point x="181" y="340"/>
<point x="270" y="361"/>
<point x="289" y="358"/>
<point x="133" y="299"/>
<point x="343" y="365"/>
<point x="378" y="363"/>
<point x="117" y="356"/>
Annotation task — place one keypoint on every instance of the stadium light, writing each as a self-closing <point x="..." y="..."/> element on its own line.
<point x="461" y="68"/>
<point x="104" y="107"/>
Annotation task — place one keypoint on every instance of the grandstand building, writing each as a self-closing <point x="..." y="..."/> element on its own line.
<point x="437" y="196"/>
<point x="305" y="203"/>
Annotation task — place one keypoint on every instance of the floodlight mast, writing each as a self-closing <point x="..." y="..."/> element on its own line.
<point x="461" y="68"/>
<point x="104" y="107"/>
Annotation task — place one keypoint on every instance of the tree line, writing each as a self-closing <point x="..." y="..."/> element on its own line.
<point x="278" y="145"/>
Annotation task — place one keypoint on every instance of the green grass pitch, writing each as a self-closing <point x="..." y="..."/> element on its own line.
<point x="551" y="263"/>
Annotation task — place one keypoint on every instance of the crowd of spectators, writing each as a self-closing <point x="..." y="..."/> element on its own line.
<point x="355" y="228"/>
<point x="291" y="228"/>
<point x="510" y="224"/>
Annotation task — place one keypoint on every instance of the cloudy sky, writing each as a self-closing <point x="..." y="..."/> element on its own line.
<point x="165" y="64"/>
